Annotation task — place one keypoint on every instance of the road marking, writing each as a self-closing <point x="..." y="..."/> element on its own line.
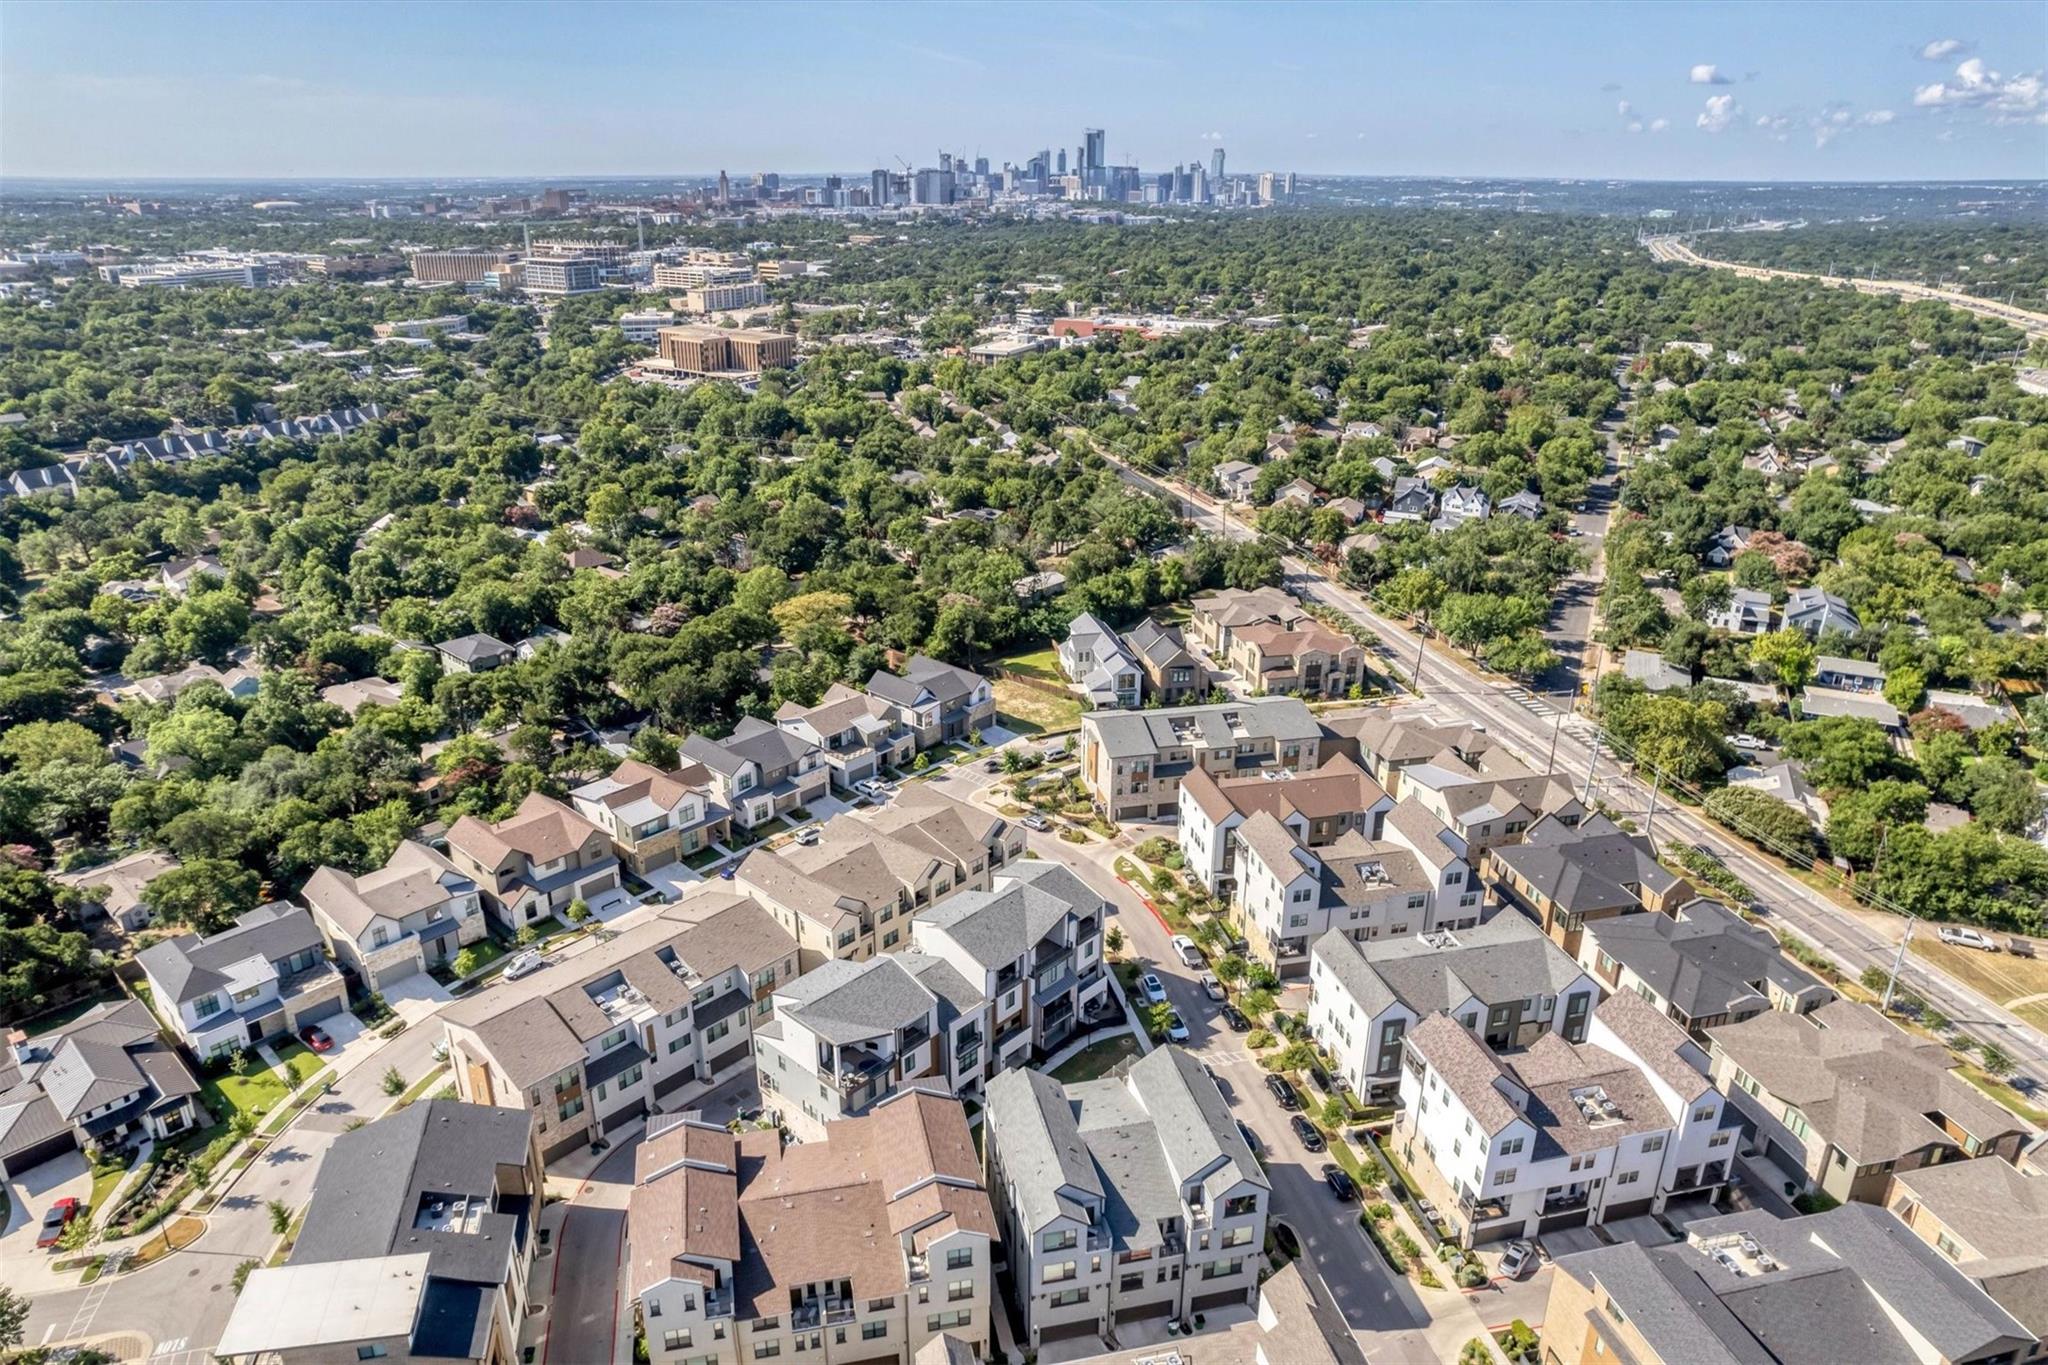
<point x="81" y="1321"/>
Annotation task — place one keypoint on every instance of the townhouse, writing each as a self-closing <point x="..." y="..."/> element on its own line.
<point x="1099" y="665"/>
<point x="847" y="1035"/>
<point x="267" y="976"/>
<point x="939" y="703"/>
<point x="1989" y="1220"/>
<point x="1749" y="1289"/>
<point x="1214" y="617"/>
<point x="646" y="1023"/>
<point x="1133" y="761"/>
<point x="535" y="863"/>
<point x="853" y="892"/>
<point x="1123" y="1200"/>
<point x="1031" y="945"/>
<point x="417" y="1244"/>
<point x="1502" y="979"/>
<point x="1308" y="658"/>
<point x="1840" y="1099"/>
<point x="865" y="1246"/>
<point x="1387" y="745"/>
<point x="1172" y="674"/>
<point x="413" y="914"/>
<point x="654" y="818"/>
<point x="858" y="735"/>
<point x="1495" y="807"/>
<point x="1558" y="1134"/>
<point x="1568" y="876"/>
<point x="1701" y="964"/>
<point x="1316" y="807"/>
<point x="1411" y="880"/>
<point x="760" y="771"/>
<point x="92" y="1084"/>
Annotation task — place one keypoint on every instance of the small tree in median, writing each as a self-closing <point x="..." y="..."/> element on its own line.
<point x="393" y="1082"/>
<point x="280" y="1216"/>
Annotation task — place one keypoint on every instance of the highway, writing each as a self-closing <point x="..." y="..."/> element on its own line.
<point x="1531" y="726"/>
<point x="2033" y="324"/>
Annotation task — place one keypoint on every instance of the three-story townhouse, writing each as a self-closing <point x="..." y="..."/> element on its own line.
<point x="415" y="913"/>
<point x="760" y="771"/>
<point x="654" y="818"/>
<point x="859" y="736"/>
<point x="534" y="864"/>
<point x="267" y="976"/>
<point x="938" y="702"/>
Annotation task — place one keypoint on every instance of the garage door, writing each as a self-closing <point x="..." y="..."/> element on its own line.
<point x="1072" y="1331"/>
<point x="635" y="1110"/>
<point x="397" y="971"/>
<point x="324" y="1010"/>
<point x="1559" y="1221"/>
<point x="1163" y="1308"/>
<point x="35" y="1155"/>
<point x="1202" y="1303"/>
<point x="1634" y="1208"/>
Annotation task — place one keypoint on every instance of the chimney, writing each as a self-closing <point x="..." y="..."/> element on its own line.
<point x="24" y="1051"/>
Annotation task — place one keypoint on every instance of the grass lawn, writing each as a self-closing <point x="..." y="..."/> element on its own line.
<point x="1033" y="710"/>
<point x="227" y="1094"/>
<point x="181" y="1233"/>
<point x="702" y="858"/>
<point x="1096" y="1060"/>
<point x="420" y="1087"/>
<point x="2000" y="976"/>
<point x="2005" y="1094"/>
<point x="487" y="949"/>
<point x="104" y="1183"/>
<point x="1042" y="664"/>
<point x="301" y="1061"/>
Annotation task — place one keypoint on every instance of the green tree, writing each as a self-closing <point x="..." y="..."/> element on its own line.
<point x="1785" y="657"/>
<point x="1906" y="687"/>
<point x="1840" y="751"/>
<point x="1858" y="820"/>
<point x="392" y="1081"/>
<point x="13" y="1316"/>
<point x="1775" y="824"/>
<point x="280" y="1216"/>
<point x="205" y="893"/>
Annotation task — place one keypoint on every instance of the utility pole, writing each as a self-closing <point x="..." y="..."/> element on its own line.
<point x="1592" y="758"/>
<point x="1898" y="965"/>
<point x="1421" y="644"/>
<point x="1650" y="820"/>
<point x="1555" y="726"/>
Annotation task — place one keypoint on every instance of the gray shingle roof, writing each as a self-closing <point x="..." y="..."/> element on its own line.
<point x="1000" y="925"/>
<point x="1126" y="734"/>
<point x="188" y="966"/>
<point x="843" y="1001"/>
<point x="1703" y="960"/>
<point x="1590" y="868"/>
<point x="1041" y="1145"/>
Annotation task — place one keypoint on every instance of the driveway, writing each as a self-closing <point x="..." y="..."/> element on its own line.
<point x="584" y="1309"/>
<point x="29" y="1196"/>
<point x="417" y="998"/>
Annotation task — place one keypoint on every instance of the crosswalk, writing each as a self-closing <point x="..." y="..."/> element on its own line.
<point x="1530" y="702"/>
<point x="89" y="1307"/>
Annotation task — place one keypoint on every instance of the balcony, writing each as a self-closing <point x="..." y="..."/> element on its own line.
<point x="918" y="1267"/>
<point x="1564" y="1201"/>
<point x="718" y="1303"/>
<point x="1482" y="1210"/>
<point x="837" y="1314"/>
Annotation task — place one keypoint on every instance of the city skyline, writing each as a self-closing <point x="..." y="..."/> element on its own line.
<point x="1677" y="93"/>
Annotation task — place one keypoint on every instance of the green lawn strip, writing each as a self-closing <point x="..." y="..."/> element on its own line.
<point x="1096" y="1060"/>
<point x="418" y="1088"/>
<point x="306" y="1096"/>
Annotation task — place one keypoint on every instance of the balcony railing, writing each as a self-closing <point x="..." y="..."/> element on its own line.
<point x="1559" y="1202"/>
<point x="718" y="1304"/>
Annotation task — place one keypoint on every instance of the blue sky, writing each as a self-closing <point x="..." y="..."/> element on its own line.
<point x="1664" y="91"/>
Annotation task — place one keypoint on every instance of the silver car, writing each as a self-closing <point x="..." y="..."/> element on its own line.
<point x="525" y="964"/>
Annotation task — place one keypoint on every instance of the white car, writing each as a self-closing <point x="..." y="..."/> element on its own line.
<point x="1188" y="953"/>
<point x="1213" y="988"/>
<point x="808" y="835"/>
<point x="872" y="789"/>
<point x="1748" y="742"/>
<point x="1152" y="988"/>
<point x="1176" y="1031"/>
<point x="1963" y="937"/>
<point x="1517" y="1258"/>
<point x="525" y="964"/>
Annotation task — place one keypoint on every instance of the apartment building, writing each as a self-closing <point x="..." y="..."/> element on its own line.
<point x="1309" y="658"/>
<point x="938" y="702"/>
<point x="267" y="976"/>
<point x="1316" y="807"/>
<point x="714" y="298"/>
<point x="533" y="864"/>
<point x="654" y="818"/>
<point x="1989" y="1220"/>
<point x="1749" y="1289"/>
<point x="865" y="1246"/>
<point x="1387" y="745"/>
<point x="847" y="1035"/>
<point x="725" y="350"/>
<point x="1123" y="1200"/>
<point x="853" y="892"/>
<point x="99" y="1081"/>
<point x="1568" y="876"/>
<point x="1095" y="660"/>
<point x="1031" y="944"/>
<point x="1133" y="761"/>
<point x="860" y="736"/>
<point x="457" y="267"/>
<point x="1702" y="964"/>
<point x="1502" y="979"/>
<point x="414" y="913"/>
<point x="432" y="1209"/>
<point x="1841" y="1099"/>
<point x="1558" y="1134"/>
<point x="759" y="771"/>
<point x="646" y="1023"/>
<point x="1216" y="616"/>
<point x="1172" y="674"/>
<point x="1409" y="881"/>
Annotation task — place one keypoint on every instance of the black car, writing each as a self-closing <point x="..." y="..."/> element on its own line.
<point x="1340" y="1183"/>
<point x="1251" y="1139"/>
<point x="1283" y="1092"/>
<point x="1321" y="1078"/>
<point x="1307" y="1133"/>
<point x="1234" y="1017"/>
<point x="1284" y="1238"/>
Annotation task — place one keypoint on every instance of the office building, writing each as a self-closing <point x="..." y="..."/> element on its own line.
<point x="188" y="273"/>
<point x="697" y="274"/>
<point x="645" y="327"/>
<point x="725" y="351"/>
<point x="456" y="267"/>
<point x="1216" y="166"/>
<point x="559" y="275"/>
<point x="715" y="298"/>
<point x="1093" y="157"/>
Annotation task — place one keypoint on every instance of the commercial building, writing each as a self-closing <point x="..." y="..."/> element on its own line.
<point x="1503" y="980"/>
<point x="416" y="1245"/>
<point x="97" y="1082"/>
<point x="654" y="818"/>
<point x="1123" y="1200"/>
<point x="457" y="267"/>
<point x="534" y="863"/>
<point x="1133" y="761"/>
<point x="701" y="274"/>
<point x="560" y="275"/>
<point x="725" y="351"/>
<point x="1841" y="1099"/>
<point x="646" y="1023"/>
<point x="644" y="328"/>
<point x="422" y="327"/>
<point x="714" y="298"/>
<point x="1560" y="1135"/>
<point x="864" y="1246"/>
<point x="1749" y="1289"/>
<point x="414" y="913"/>
<point x="191" y="272"/>
<point x="225" y="993"/>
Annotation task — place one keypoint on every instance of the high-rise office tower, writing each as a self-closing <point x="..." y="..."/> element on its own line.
<point x="1216" y="166"/>
<point x="981" y="165"/>
<point x="878" y="188"/>
<point x="1268" y="183"/>
<point x="1200" y="183"/>
<point x="1062" y="169"/>
<point x="1094" y="159"/>
<point x="767" y="182"/>
<point x="946" y="162"/>
<point x="724" y="189"/>
<point x="1288" y="188"/>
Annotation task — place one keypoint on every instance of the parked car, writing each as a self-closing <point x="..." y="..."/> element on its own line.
<point x="1962" y="936"/>
<point x="1035" y="821"/>
<point x="1234" y="1018"/>
<point x="525" y="964"/>
<point x="1306" y="1133"/>
<point x="808" y="835"/>
<point x="2020" y="947"/>
<point x="55" y="1221"/>
<point x="316" y="1038"/>
<point x="1152" y="989"/>
<point x="1747" y="742"/>
<point x="991" y="765"/>
<point x="1339" y="1182"/>
<point x="872" y="789"/>
<point x="1516" y="1260"/>
<point x="1284" y="1092"/>
<point x="1321" y="1078"/>
<point x="1251" y="1139"/>
<point x="1187" y="951"/>
<point x="1176" y="1031"/>
<point x="1213" y="988"/>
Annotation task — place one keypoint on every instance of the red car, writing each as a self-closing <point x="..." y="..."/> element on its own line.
<point x="56" y="1220"/>
<point x="316" y="1038"/>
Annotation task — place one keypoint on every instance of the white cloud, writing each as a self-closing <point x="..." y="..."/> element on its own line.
<point x="1877" y="118"/>
<point x="1942" y="48"/>
<point x="1706" y="73"/>
<point x="1719" y="113"/>
<point x="1634" y="125"/>
<point x="1624" y="108"/>
<point x="2021" y="98"/>
<point x="1658" y="125"/>
<point x="1218" y="137"/>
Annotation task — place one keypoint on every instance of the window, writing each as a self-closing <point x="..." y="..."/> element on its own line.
<point x="613" y="1039"/>
<point x="1506" y="1177"/>
<point x="889" y="939"/>
<point x="939" y="1322"/>
<point x="371" y="1352"/>
<point x="676" y="1340"/>
<point x="1237" y="1237"/>
<point x="1066" y="1298"/>
<point x="765" y="1349"/>
<point x="569" y="1109"/>
<point x="1654" y="1144"/>
<point x="678" y="1044"/>
<point x="1628" y="1177"/>
<point x="871" y="1331"/>
<point x="1241" y="1206"/>
<point x="1218" y="1270"/>
<point x="1703" y="1113"/>
<point x="1055" y="1274"/>
<point x="380" y="936"/>
<point x="1946" y="1245"/>
<point x="959" y="1258"/>
<point x="1131" y="1283"/>
<point x="205" y="1007"/>
<point x="1510" y="1146"/>
<point x="957" y="1290"/>
<point x="1057" y="1241"/>
<point x="717" y="1031"/>
<point x="1719" y="1139"/>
